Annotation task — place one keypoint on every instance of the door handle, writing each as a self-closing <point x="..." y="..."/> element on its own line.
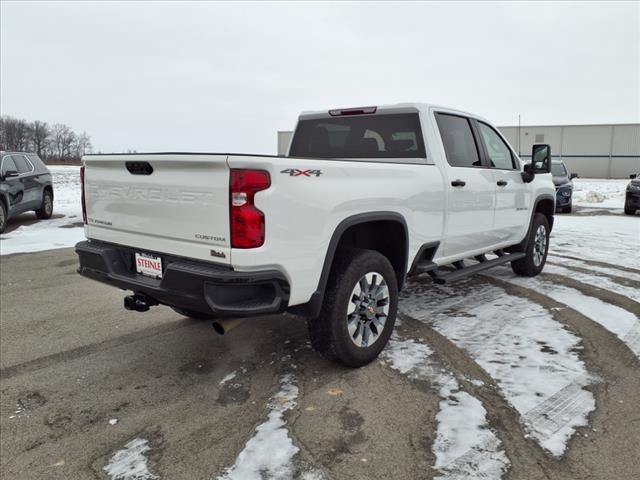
<point x="502" y="183"/>
<point x="458" y="183"/>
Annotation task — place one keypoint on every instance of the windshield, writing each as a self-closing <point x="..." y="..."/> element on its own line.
<point x="367" y="136"/>
<point x="558" y="170"/>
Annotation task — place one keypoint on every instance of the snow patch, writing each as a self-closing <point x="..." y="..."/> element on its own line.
<point x="130" y="463"/>
<point x="465" y="446"/>
<point x="269" y="453"/>
<point x="517" y="342"/>
<point x="613" y="239"/>
<point x="621" y="322"/>
<point x="228" y="377"/>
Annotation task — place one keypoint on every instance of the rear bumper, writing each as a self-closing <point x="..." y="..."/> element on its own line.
<point x="187" y="284"/>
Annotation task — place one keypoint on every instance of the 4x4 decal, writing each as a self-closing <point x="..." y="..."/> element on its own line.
<point x="295" y="172"/>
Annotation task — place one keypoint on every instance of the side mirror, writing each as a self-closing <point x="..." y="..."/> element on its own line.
<point x="572" y="176"/>
<point x="541" y="158"/>
<point x="528" y="174"/>
<point x="632" y="176"/>
<point x="10" y="174"/>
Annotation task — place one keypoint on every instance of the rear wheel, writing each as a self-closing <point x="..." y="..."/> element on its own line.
<point x="193" y="314"/>
<point x="536" y="251"/>
<point x="46" y="208"/>
<point x="3" y="217"/>
<point x="359" y="309"/>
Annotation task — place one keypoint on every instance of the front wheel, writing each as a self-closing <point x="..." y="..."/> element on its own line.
<point x="46" y="208"/>
<point x="566" y="209"/>
<point x="629" y="210"/>
<point x="359" y="308"/>
<point x="536" y="251"/>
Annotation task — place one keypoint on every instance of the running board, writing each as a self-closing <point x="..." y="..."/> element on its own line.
<point x="462" y="271"/>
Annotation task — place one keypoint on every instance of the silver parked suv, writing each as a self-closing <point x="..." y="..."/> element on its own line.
<point x="25" y="184"/>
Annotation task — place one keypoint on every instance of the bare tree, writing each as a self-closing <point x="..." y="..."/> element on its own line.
<point x="40" y="132"/>
<point x="14" y="134"/>
<point x="81" y="145"/>
<point x="58" y="142"/>
<point x="62" y="138"/>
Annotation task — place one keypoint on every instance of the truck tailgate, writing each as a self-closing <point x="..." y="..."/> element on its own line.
<point x="168" y="203"/>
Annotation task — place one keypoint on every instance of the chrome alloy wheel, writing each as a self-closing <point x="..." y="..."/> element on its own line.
<point x="539" y="245"/>
<point x="368" y="309"/>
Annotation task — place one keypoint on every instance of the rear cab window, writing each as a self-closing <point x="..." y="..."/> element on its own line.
<point x="377" y="136"/>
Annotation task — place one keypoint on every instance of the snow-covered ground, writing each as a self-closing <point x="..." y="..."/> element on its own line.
<point x="599" y="193"/>
<point x="58" y="232"/>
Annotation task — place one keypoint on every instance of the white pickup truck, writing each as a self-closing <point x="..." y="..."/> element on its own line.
<point x="365" y="198"/>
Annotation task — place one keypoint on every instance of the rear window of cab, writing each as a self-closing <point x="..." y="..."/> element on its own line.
<point x="396" y="135"/>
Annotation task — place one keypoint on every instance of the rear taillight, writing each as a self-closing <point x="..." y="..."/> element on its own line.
<point x="246" y="221"/>
<point x="84" y="203"/>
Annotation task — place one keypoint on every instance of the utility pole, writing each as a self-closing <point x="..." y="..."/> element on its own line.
<point x="519" y="153"/>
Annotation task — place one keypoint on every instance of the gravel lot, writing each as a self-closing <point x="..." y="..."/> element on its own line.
<point x="492" y="377"/>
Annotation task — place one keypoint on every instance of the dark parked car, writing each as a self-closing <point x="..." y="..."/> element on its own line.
<point x="25" y="184"/>
<point x="564" y="186"/>
<point x="632" y="198"/>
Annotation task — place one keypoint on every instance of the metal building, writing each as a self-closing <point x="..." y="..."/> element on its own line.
<point x="591" y="151"/>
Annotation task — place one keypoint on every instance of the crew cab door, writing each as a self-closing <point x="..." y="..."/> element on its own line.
<point x="470" y="188"/>
<point x="512" y="195"/>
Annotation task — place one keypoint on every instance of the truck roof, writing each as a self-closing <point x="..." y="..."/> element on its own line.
<point x="410" y="107"/>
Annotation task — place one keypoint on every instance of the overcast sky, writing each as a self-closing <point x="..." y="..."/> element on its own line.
<point x="225" y="77"/>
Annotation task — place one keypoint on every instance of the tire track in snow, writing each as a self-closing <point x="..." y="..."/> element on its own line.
<point x="519" y="344"/>
<point x="621" y="322"/>
<point x="465" y="447"/>
<point x="623" y="277"/>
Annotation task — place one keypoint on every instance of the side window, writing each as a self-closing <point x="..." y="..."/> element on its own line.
<point x="8" y="165"/>
<point x="457" y="137"/>
<point x="22" y="164"/>
<point x="498" y="151"/>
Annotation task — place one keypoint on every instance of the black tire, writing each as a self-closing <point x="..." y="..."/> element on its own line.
<point x="3" y="216"/>
<point x="329" y="332"/>
<point x="193" y="314"/>
<point x="46" y="208"/>
<point x="629" y="210"/>
<point x="533" y="263"/>
<point x="566" y="209"/>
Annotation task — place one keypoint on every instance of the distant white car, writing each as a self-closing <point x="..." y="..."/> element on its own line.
<point x="366" y="197"/>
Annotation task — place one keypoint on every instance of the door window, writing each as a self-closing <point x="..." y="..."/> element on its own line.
<point x="21" y="162"/>
<point x="458" y="141"/>
<point x="499" y="153"/>
<point x="8" y="165"/>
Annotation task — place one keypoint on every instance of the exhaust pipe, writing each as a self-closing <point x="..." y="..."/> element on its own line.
<point x="224" y="325"/>
<point x="139" y="302"/>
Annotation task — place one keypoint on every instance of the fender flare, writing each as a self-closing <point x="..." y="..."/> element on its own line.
<point x="312" y="307"/>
